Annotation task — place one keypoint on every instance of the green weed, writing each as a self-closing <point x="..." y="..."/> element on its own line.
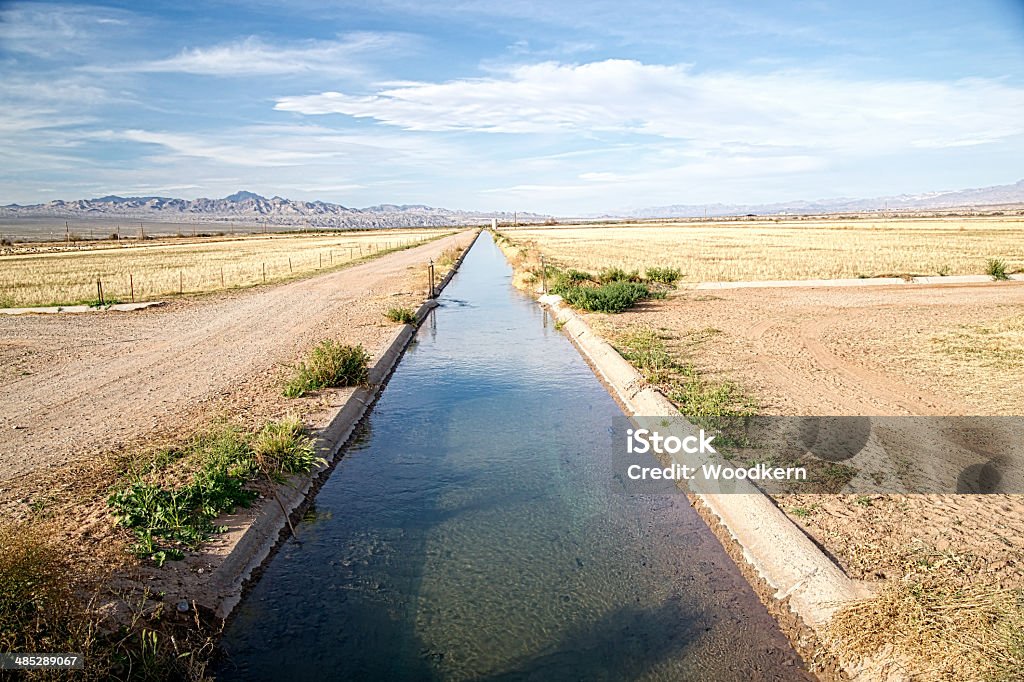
<point x="402" y="315"/>
<point x="667" y="276"/>
<point x="168" y="520"/>
<point x="330" y="364"/>
<point x="282" y="448"/>
<point x="997" y="269"/>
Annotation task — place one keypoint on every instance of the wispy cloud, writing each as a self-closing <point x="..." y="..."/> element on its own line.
<point x="784" y="109"/>
<point x="50" y="30"/>
<point x="254" y="56"/>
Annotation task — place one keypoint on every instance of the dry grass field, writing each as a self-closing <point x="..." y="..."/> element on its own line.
<point x="56" y="275"/>
<point x="798" y="249"/>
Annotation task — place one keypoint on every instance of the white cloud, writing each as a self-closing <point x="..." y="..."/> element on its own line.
<point x="268" y="146"/>
<point x="254" y="56"/>
<point x="789" y="109"/>
<point x="54" y="30"/>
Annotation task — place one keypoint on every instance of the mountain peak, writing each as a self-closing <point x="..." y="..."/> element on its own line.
<point x="242" y="195"/>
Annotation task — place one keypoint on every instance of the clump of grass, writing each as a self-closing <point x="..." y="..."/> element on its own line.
<point x="330" y="364"/>
<point x="570" y="278"/>
<point x="282" y="448"/>
<point x="996" y="269"/>
<point x="720" y="405"/>
<point x="449" y="256"/>
<point x="646" y="351"/>
<point x="946" y="628"/>
<point x="402" y="315"/>
<point x="609" y="275"/>
<point x="667" y="276"/>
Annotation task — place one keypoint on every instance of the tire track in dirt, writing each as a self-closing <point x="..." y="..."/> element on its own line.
<point x="830" y="396"/>
<point x="879" y="385"/>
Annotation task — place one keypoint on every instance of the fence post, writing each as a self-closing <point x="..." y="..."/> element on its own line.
<point x="222" y="277"/>
<point x="131" y="285"/>
<point x="289" y="265"/>
<point x="431" y="278"/>
<point x="99" y="290"/>
<point x="181" y="282"/>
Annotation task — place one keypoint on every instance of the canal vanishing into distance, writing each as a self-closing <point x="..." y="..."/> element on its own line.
<point x="470" y="531"/>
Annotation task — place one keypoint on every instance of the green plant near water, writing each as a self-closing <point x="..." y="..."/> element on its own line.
<point x="330" y="364"/>
<point x="613" y="297"/>
<point x="719" y="405"/>
<point x="613" y="290"/>
<point x="996" y="269"/>
<point x="281" y="448"/>
<point x="402" y="315"/>
<point x="166" y="520"/>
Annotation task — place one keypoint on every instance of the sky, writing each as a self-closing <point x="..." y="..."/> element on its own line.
<point x="567" y="108"/>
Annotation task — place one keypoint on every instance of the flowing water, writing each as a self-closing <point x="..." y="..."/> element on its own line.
<point x="469" y="531"/>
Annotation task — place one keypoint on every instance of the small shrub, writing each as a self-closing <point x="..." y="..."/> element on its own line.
<point x="996" y="269"/>
<point x="667" y="276"/>
<point x="613" y="297"/>
<point x="403" y="315"/>
<point x="944" y="271"/>
<point x="283" y="448"/>
<point x="331" y="364"/>
<point x="609" y="275"/>
<point x="572" y="278"/>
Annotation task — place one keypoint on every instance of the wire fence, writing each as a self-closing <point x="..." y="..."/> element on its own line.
<point x="49" y="281"/>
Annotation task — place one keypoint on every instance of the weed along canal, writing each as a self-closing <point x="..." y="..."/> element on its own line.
<point x="469" y="531"/>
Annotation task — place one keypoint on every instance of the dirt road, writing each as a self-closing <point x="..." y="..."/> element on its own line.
<point x="72" y="386"/>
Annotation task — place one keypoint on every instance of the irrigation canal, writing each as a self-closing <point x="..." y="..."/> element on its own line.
<point x="469" y="531"/>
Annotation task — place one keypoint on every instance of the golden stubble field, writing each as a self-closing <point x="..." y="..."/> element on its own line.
<point x="161" y="268"/>
<point x="796" y="249"/>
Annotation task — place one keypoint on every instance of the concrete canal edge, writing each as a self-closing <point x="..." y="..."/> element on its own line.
<point x="253" y="535"/>
<point x="801" y="586"/>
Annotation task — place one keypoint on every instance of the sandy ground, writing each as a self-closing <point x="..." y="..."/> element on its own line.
<point x="74" y="388"/>
<point x="906" y="350"/>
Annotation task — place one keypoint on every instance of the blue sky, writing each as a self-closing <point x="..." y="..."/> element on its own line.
<point x="557" y="107"/>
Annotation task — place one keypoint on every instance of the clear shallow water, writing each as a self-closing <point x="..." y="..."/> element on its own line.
<point x="469" y="531"/>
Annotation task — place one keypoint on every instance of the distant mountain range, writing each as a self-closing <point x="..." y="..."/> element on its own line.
<point x="253" y="209"/>
<point x="248" y="208"/>
<point x="985" y="196"/>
